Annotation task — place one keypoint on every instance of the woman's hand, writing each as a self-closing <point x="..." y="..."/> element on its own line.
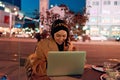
<point x="69" y="47"/>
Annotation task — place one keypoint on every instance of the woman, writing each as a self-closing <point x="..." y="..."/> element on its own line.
<point x="59" y="41"/>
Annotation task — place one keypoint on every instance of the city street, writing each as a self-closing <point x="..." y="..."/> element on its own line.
<point x="90" y="20"/>
<point x="98" y="52"/>
<point x="11" y="50"/>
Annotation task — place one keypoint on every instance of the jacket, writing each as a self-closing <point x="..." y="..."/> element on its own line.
<point x="38" y="60"/>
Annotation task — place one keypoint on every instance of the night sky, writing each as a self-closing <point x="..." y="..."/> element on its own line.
<point x="28" y="6"/>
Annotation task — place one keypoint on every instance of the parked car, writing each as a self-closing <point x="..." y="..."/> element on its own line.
<point x="22" y="35"/>
<point x="0" y="34"/>
<point x="3" y="77"/>
<point x="86" y="38"/>
<point x="117" y="38"/>
<point x="98" y="37"/>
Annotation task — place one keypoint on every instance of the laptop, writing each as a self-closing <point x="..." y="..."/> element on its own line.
<point x="66" y="63"/>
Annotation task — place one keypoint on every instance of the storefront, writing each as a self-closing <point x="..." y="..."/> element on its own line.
<point x="106" y="30"/>
<point x="115" y="31"/>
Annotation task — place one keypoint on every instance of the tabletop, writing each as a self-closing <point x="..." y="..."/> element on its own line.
<point x="89" y="74"/>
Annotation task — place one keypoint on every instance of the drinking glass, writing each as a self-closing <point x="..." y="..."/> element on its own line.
<point x="107" y="65"/>
<point x="113" y="74"/>
<point x="117" y="76"/>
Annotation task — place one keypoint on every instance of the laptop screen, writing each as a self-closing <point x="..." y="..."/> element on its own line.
<point x="65" y="63"/>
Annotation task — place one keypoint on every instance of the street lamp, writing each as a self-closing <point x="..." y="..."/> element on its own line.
<point x="11" y="24"/>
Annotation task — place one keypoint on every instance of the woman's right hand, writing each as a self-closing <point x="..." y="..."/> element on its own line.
<point x="69" y="47"/>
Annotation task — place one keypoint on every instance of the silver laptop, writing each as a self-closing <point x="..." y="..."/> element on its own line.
<point x="61" y="63"/>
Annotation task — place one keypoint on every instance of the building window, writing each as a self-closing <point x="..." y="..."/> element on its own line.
<point x="107" y="2"/>
<point x="6" y="19"/>
<point x="93" y="20"/>
<point x="106" y="11"/>
<point x="1" y="8"/>
<point x="116" y="20"/>
<point x="96" y="3"/>
<point x="116" y="3"/>
<point x="105" y="20"/>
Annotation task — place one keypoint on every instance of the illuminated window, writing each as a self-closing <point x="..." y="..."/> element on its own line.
<point x="116" y="20"/>
<point x="106" y="11"/>
<point x="105" y="20"/>
<point x="6" y="19"/>
<point x="93" y="20"/>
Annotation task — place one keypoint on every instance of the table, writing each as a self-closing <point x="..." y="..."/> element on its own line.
<point x="89" y="74"/>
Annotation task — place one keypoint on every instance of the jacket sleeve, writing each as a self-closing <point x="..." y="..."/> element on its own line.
<point x="39" y="65"/>
<point x="36" y="62"/>
<point x="35" y="66"/>
<point x="29" y="65"/>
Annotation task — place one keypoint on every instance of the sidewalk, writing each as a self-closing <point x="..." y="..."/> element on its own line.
<point x="18" y="39"/>
<point x="13" y="70"/>
<point x="97" y="42"/>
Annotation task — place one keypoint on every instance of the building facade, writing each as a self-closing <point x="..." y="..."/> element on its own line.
<point x="7" y="14"/>
<point x="13" y="2"/>
<point x="104" y="17"/>
<point x="44" y="6"/>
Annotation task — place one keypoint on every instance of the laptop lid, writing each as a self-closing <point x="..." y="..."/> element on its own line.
<point x="65" y="63"/>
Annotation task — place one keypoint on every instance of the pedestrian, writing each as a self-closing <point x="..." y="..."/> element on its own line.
<point x="59" y="41"/>
<point x="38" y="36"/>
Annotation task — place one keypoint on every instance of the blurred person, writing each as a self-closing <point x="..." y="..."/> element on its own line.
<point x="38" y="36"/>
<point x="42" y="35"/>
<point x="36" y="64"/>
<point x="45" y="34"/>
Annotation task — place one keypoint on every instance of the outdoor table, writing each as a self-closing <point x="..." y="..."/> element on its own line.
<point x="89" y="74"/>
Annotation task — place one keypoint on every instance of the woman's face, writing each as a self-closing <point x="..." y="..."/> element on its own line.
<point x="60" y="36"/>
